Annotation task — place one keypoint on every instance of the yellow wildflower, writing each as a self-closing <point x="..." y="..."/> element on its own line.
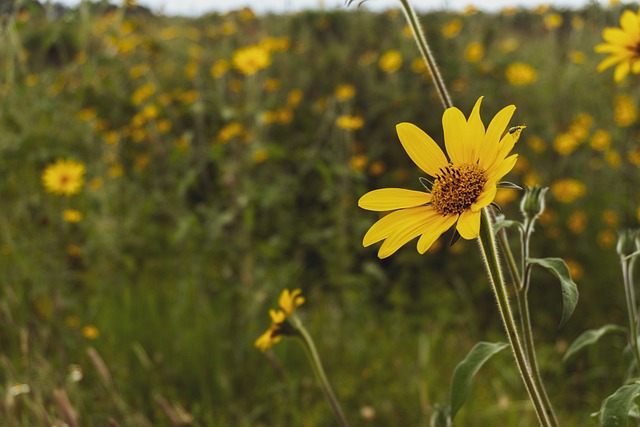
<point x="568" y="190"/>
<point x="390" y="61"/>
<point x="251" y="59"/>
<point x="64" y="177"/>
<point x="72" y="215"/>
<point x="219" y="68"/>
<point x="230" y="131"/>
<point x="565" y="143"/>
<point x="622" y="46"/>
<point x="280" y="326"/>
<point x="474" y="52"/>
<point x="519" y="74"/>
<point x="452" y="28"/>
<point x="600" y="140"/>
<point x="625" y="111"/>
<point x="344" y="92"/>
<point x="552" y="21"/>
<point x="90" y="332"/>
<point x="347" y="122"/>
<point x="577" y="222"/>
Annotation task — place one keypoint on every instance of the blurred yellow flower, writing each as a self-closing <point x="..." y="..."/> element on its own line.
<point x="622" y="46"/>
<point x="376" y="168"/>
<point x="610" y="218"/>
<point x="294" y="98"/>
<point x="565" y="143"/>
<point x="139" y="70"/>
<point x="390" y="61"/>
<point x="219" y="68"/>
<point x="541" y="9"/>
<point x="260" y="156"/>
<point x="634" y="157"/>
<point x="289" y="302"/>
<point x="452" y="28"/>
<point x="612" y="158"/>
<point x="344" y="92"/>
<point x="358" y="162"/>
<point x="577" y="222"/>
<point x="577" y="22"/>
<point x="87" y="114"/>
<point x="230" y="131"/>
<point x="474" y="52"/>
<point x="537" y="144"/>
<point x="72" y="215"/>
<point x="577" y="57"/>
<point x="607" y="239"/>
<point x="469" y="10"/>
<point x="143" y="93"/>
<point x="552" y="21"/>
<point x="116" y="171"/>
<point x="272" y="85"/>
<point x="568" y="190"/>
<point x="460" y="190"/>
<point x="349" y="122"/>
<point x="251" y="59"/>
<point x="625" y="111"/>
<point x="575" y="269"/>
<point x="90" y="332"/>
<point x="64" y="177"/>
<point x="509" y="11"/>
<point x="600" y="140"/>
<point x="508" y="45"/>
<point x="520" y="73"/>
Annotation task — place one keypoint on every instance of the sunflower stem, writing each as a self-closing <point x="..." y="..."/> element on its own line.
<point x="489" y="251"/>
<point x="316" y="364"/>
<point x="423" y="46"/>
<point x="632" y="310"/>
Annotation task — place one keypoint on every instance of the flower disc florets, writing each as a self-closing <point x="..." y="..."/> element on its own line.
<point x="457" y="187"/>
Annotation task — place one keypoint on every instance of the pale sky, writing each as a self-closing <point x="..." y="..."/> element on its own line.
<point x="197" y="7"/>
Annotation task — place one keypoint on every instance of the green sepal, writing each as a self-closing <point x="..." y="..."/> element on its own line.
<point x="614" y="411"/>
<point x="505" y="223"/>
<point x="496" y="206"/>
<point x="454" y="237"/>
<point x="426" y="183"/>
<point x="467" y="369"/>
<point x="507" y="184"/>
<point x="559" y="268"/>
<point x="590" y="337"/>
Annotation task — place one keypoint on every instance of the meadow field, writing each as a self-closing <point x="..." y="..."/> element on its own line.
<point x="218" y="160"/>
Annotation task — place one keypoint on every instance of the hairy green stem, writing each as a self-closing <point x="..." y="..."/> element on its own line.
<point x="418" y="36"/>
<point x="316" y="363"/>
<point x="632" y="311"/>
<point x="490" y="256"/>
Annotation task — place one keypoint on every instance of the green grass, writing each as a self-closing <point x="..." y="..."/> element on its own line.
<point x="182" y="255"/>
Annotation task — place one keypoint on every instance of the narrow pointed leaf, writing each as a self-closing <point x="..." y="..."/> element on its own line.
<point x="615" y="408"/>
<point x="569" y="289"/>
<point x="507" y="184"/>
<point x="467" y="369"/>
<point x="590" y="337"/>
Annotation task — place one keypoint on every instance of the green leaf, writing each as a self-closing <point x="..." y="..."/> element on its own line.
<point x="467" y="369"/>
<point x="615" y="408"/>
<point x="590" y="337"/>
<point x="569" y="289"/>
<point x="507" y="184"/>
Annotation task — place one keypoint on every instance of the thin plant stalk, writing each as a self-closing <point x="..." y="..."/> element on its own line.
<point x="632" y="310"/>
<point x="522" y="298"/>
<point x="316" y="364"/>
<point x="489" y="251"/>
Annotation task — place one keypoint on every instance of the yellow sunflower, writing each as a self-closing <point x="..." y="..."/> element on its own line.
<point x="623" y="45"/>
<point x="280" y="326"/>
<point x="459" y="187"/>
<point x="64" y="177"/>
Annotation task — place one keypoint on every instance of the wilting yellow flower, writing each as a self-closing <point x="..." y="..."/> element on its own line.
<point x="622" y="46"/>
<point x="625" y="111"/>
<point x="344" y="92"/>
<point x="390" y="61"/>
<point x="568" y="190"/>
<point x="460" y="189"/>
<point x="452" y="28"/>
<point x="72" y="215"/>
<point x="349" y="122"/>
<point x="474" y="52"/>
<point x="280" y="326"/>
<point x="64" y="177"/>
<point x="251" y="59"/>
<point x="519" y="74"/>
<point x="600" y="140"/>
<point x="552" y="21"/>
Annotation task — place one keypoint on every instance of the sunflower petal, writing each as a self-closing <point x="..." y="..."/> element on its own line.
<point x="475" y="133"/>
<point x="485" y="198"/>
<point x="455" y="132"/>
<point x="469" y="224"/>
<point x="491" y="145"/>
<point x="501" y="169"/>
<point x="629" y="23"/>
<point x="401" y="235"/>
<point x="389" y="199"/>
<point x="608" y="62"/>
<point x="422" y="149"/>
<point x="386" y="225"/>
<point x="435" y="230"/>
<point x="621" y="71"/>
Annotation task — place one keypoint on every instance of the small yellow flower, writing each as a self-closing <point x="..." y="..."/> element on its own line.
<point x="294" y="98"/>
<point x="390" y="61"/>
<point x="349" y="122"/>
<point x="537" y="144"/>
<point x="577" y="222"/>
<point x="509" y="45"/>
<point x="230" y="131"/>
<point x="520" y="74"/>
<point x="568" y="190"/>
<point x="553" y="21"/>
<point x="344" y="92"/>
<point x="622" y="46"/>
<point x="577" y="57"/>
<point x="72" y="215"/>
<point x="474" y="52"/>
<point x="64" y="177"/>
<point x="280" y="326"/>
<point x="260" y="156"/>
<point x="610" y="218"/>
<point x="90" y="332"/>
<point x="251" y="59"/>
<point x="565" y="144"/>
<point x="452" y="28"/>
<point x="219" y="68"/>
<point x="460" y="187"/>
<point x="625" y="111"/>
<point x="358" y="162"/>
<point x="600" y="140"/>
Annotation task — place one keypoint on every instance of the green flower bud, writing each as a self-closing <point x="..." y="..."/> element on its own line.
<point x="628" y="242"/>
<point x="532" y="203"/>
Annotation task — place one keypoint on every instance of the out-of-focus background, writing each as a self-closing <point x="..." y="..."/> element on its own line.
<point x="223" y="158"/>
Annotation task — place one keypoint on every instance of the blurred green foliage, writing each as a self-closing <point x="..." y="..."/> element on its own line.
<point x="209" y="191"/>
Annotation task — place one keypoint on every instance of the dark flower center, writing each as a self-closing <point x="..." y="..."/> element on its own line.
<point x="456" y="188"/>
